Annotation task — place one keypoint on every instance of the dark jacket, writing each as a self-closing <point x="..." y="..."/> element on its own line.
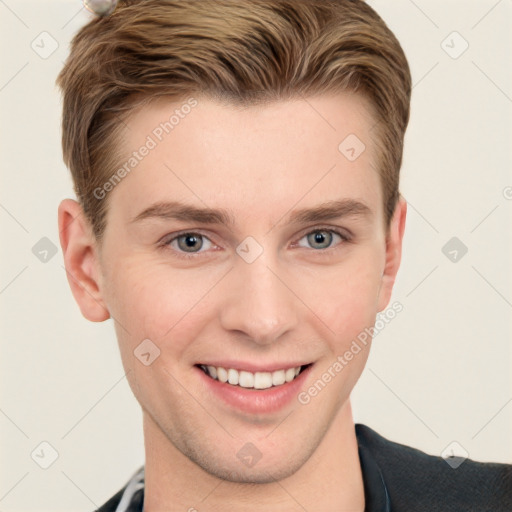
<point x="399" y="478"/>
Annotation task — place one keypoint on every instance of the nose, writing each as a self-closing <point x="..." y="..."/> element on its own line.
<point x="258" y="303"/>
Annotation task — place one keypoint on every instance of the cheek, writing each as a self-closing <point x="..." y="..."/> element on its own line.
<point x="345" y="298"/>
<point x="151" y="300"/>
<point x="156" y="303"/>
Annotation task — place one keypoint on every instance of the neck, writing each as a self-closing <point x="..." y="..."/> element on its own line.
<point x="330" y="480"/>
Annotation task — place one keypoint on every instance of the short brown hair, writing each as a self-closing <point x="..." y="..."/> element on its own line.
<point x="243" y="51"/>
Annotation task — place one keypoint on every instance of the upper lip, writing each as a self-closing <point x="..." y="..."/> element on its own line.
<point x="254" y="367"/>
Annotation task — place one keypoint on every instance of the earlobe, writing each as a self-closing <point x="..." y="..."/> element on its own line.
<point x="393" y="253"/>
<point x="81" y="260"/>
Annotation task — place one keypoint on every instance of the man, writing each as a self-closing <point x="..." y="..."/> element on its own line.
<point x="239" y="218"/>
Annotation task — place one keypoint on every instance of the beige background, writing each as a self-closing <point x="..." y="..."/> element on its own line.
<point x="438" y="373"/>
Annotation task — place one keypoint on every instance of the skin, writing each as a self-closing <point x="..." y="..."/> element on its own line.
<point x="296" y="301"/>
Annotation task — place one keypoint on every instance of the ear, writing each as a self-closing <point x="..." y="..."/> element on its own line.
<point x="393" y="253"/>
<point x="81" y="260"/>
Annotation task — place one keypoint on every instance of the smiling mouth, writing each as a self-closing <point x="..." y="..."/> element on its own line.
<point x="252" y="380"/>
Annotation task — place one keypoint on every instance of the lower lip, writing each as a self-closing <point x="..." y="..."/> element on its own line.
<point x="256" y="401"/>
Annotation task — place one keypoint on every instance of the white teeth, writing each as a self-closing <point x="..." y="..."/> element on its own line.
<point x="262" y="380"/>
<point x="257" y="380"/>
<point x="290" y="374"/>
<point x="233" y="376"/>
<point x="246" y="379"/>
<point x="222" y="374"/>
<point x="278" y="378"/>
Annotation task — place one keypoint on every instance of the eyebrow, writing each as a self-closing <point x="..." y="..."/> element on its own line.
<point x="331" y="210"/>
<point x="175" y="210"/>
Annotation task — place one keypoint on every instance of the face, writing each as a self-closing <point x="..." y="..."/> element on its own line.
<point x="246" y="246"/>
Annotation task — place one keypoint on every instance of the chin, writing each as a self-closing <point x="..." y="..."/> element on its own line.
<point x="245" y="463"/>
<point x="258" y="474"/>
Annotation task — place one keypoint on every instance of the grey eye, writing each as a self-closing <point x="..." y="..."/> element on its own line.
<point x="190" y="242"/>
<point x="320" y="239"/>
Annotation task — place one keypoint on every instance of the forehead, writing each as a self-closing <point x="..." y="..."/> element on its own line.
<point x="249" y="159"/>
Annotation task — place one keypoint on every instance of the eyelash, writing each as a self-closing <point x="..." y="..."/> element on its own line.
<point x="165" y="244"/>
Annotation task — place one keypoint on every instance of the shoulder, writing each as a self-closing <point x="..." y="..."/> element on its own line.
<point x="418" y="481"/>
<point x="130" y="498"/>
<point x="112" y="504"/>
